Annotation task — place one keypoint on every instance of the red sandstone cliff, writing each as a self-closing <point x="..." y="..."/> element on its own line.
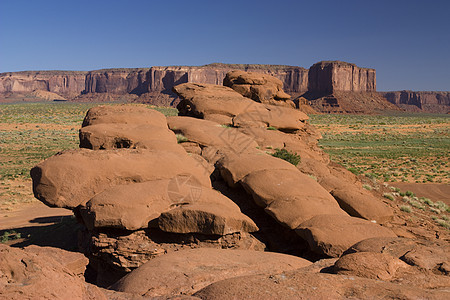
<point x="65" y="83"/>
<point x="326" y="83"/>
<point x="437" y="102"/>
<point x="330" y="76"/>
<point x="140" y="81"/>
<point x="117" y="81"/>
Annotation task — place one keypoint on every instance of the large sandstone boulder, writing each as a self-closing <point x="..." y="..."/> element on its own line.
<point x="73" y="177"/>
<point x="432" y="256"/>
<point x="200" y="100"/>
<point x="187" y="271"/>
<point x="331" y="235"/>
<point x="129" y="206"/>
<point x="234" y="168"/>
<point x="259" y="87"/>
<point x="361" y="204"/>
<point x="124" y="114"/>
<point x="369" y="265"/>
<point x="282" y="118"/>
<point x="299" y="284"/>
<point x="181" y="205"/>
<point x="73" y="261"/>
<point x="208" y="133"/>
<point x="111" y="136"/>
<point x="214" y="102"/>
<point x="411" y="262"/>
<point x="31" y="274"/>
<point x="211" y="217"/>
<point x="289" y="196"/>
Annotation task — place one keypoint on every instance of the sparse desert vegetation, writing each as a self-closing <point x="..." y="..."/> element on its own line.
<point x="392" y="148"/>
<point x="288" y="156"/>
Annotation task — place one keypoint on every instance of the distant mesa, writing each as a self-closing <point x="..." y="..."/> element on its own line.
<point x="327" y="86"/>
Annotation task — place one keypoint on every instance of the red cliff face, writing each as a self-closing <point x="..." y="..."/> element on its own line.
<point x="327" y="77"/>
<point x="117" y="81"/>
<point x="65" y="83"/>
<point x="140" y="81"/>
<point x="327" y="82"/>
<point x="295" y="79"/>
<point x="437" y="102"/>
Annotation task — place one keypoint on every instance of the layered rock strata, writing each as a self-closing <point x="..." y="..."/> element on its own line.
<point x="436" y="102"/>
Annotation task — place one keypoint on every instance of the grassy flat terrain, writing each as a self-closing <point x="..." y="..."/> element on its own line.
<point x="393" y="148"/>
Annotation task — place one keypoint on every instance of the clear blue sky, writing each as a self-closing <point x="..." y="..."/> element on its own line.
<point x="407" y="42"/>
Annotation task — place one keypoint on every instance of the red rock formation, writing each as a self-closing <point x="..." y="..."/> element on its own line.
<point x="323" y="81"/>
<point x="140" y="81"/>
<point x="65" y="83"/>
<point x="117" y="81"/>
<point x="437" y="102"/>
<point x="327" y="77"/>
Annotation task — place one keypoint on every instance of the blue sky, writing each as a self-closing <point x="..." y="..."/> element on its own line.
<point x="407" y="42"/>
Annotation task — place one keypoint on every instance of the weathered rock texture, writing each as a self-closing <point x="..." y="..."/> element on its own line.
<point x="328" y="83"/>
<point x="217" y="186"/>
<point x="261" y="88"/>
<point x="437" y="102"/>
<point x="300" y="284"/>
<point x="151" y="84"/>
<point x="330" y="76"/>
<point x="39" y="273"/>
<point x="65" y="83"/>
<point x="187" y="271"/>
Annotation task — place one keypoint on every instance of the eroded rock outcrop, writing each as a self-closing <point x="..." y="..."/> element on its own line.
<point x="329" y="86"/>
<point x="189" y="203"/>
<point x="38" y="273"/>
<point x="285" y="193"/>
<point x="261" y="88"/>
<point x="64" y="83"/>
<point x="331" y="76"/>
<point x="187" y="271"/>
<point x="299" y="284"/>
<point x="127" y="199"/>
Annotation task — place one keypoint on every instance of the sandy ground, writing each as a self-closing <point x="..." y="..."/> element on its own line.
<point x="38" y="224"/>
<point x="32" y="214"/>
<point x="434" y="191"/>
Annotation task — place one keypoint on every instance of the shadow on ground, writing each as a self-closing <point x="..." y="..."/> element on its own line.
<point x="61" y="232"/>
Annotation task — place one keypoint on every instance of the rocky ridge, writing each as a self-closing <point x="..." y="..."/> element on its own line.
<point x="154" y="85"/>
<point x="199" y="200"/>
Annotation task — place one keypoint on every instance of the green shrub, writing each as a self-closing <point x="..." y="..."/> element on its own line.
<point x="409" y="194"/>
<point x="367" y="187"/>
<point x="9" y="235"/>
<point x="435" y="210"/>
<point x="272" y="128"/>
<point x="443" y="223"/>
<point x="288" y="156"/>
<point x="354" y="171"/>
<point x="426" y="201"/>
<point x="417" y="204"/>
<point x="181" y="138"/>
<point x="441" y="205"/>
<point x="388" y="196"/>
<point x="405" y="208"/>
